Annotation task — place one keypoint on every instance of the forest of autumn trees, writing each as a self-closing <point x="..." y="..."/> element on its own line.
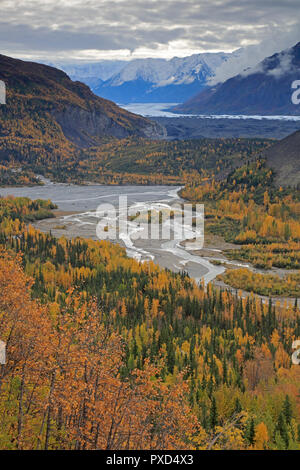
<point x="248" y="210"/>
<point x="130" y="160"/>
<point x="61" y="386"/>
<point x="107" y="353"/>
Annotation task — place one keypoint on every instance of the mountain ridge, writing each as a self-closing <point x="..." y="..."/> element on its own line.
<point x="46" y="109"/>
<point x="264" y="89"/>
<point x="284" y="158"/>
<point x="162" y="80"/>
<point x="91" y="73"/>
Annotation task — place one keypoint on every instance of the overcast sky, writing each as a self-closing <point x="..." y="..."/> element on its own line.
<point x="76" y="30"/>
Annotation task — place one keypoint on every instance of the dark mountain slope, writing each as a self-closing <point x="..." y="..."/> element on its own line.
<point x="284" y="158"/>
<point x="46" y="111"/>
<point x="264" y="89"/>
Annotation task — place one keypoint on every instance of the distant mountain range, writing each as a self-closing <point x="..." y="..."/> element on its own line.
<point x="263" y="90"/>
<point x="150" y="80"/>
<point x="92" y="74"/>
<point x="48" y="113"/>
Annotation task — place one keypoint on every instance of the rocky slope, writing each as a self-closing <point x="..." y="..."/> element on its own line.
<point x="284" y="158"/>
<point x="47" y="111"/>
<point x="162" y="80"/>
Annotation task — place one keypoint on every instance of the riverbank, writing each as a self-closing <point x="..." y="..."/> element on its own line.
<point x="166" y="253"/>
<point x="214" y="250"/>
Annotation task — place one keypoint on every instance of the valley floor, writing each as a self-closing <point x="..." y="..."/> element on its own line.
<point x="196" y="128"/>
<point x="206" y="264"/>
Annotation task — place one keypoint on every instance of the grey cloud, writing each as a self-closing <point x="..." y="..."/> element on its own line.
<point x="66" y="25"/>
<point x="249" y="58"/>
<point x="108" y="38"/>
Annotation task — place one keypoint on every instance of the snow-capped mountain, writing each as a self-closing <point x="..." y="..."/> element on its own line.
<point x="162" y="72"/>
<point x="161" y="80"/>
<point x="265" y="89"/>
<point x="149" y="80"/>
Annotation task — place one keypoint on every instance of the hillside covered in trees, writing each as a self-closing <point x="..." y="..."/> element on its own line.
<point x="107" y="353"/>
<point x="46" y="114"/>
<point x="262" y="219"/>
<point x="142" y="161"/>
<point x="53" y="126"/>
